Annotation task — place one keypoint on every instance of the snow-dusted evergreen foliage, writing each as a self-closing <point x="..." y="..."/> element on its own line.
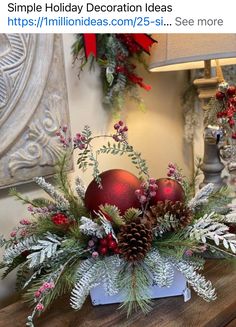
<point x="206" y="229"/>
<point x="89" y="227"/>
<point x="80" y="187"/>
<point x="161" y="268"/>
<point x="201" y="197"/>
<point x="198" y="282"/>
<point x="16" y="249"/>
<point x="61" y="201"/>
<point x="44" y="249"/>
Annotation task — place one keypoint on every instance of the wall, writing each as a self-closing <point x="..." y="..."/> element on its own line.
<point x="157" y="133"/>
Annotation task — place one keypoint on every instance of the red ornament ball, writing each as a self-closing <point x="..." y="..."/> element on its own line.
<point x="168" y="189"/>
<point x="118" y="188"/>
<point x="220" y="95"/>
<point x="231" y="90"/>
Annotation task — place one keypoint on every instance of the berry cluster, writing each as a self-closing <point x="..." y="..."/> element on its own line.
<point x="129" y="42"/>
<point x="64" y="138"/>
<point x="80" y="141"/>
<point x="60" y="219"/>
<point x="174" y="172"/>
<point x="103" y="246"/>
<point x="40" y="293"/>
<point x="42" y="210"/>
<point x="226" y="97"/>
<point x="21" y="231"/>
<point x="147" y="191"/>
<point x="121" y="131"/>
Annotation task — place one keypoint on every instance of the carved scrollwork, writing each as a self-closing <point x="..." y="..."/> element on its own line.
<point x="42" y="147"/>
<point x="33" y="105"/>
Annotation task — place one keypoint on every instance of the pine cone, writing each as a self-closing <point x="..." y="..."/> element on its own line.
<point x="135" y="240"/>
<point x="168" y="215"/>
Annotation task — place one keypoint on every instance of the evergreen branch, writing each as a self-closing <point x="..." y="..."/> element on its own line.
<point x="89" y="227"/>
<point x="24" y="199"/>
<point x="44" y="249"/>
<point x="134" y="283"/>
<point x="160" y="267"/>
<point x="75" y="204"/>
<point x="198" y="282"/>
<point x="206" y="229"/>
<point x="60" y="200"/>
<point x="16" y="249"/>
<point x="87" y="276"/>
<point x="201" y="197"/>
<point x="113" y="213"/>
<point x="131" y="214"/>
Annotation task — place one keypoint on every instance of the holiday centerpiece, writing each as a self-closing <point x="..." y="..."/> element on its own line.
<point x="130" y="237"/>
<point x="115" y="54"/>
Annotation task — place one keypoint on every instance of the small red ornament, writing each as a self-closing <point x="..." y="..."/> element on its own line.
<point x="220" y="95"/>
<point x="168" y="189"/>
<point x="103" y="242"/>
<point x="231" y="90"/>
<point x="102" y="250"/>
<point x="112" y="245"/>
<point x="60" y="219"/>
<point x="118" y="188"/>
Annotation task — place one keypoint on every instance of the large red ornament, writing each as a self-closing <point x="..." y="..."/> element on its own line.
<point x="118" y="188"/>
<point x="168" y="189"/>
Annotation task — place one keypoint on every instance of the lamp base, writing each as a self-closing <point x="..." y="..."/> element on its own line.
<point x="206" y="89"/>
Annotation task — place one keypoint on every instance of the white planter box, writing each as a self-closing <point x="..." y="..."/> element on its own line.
<point x="178" y="288"/>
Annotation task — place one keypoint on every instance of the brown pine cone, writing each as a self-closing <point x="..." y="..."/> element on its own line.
<point x="169" y="216"/>
<point x="135" y="240"/>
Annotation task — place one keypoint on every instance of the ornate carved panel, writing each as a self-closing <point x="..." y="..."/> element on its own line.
<point x="33" y="105"/>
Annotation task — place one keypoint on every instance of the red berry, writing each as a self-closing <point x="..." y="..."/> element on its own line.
<point x="232" y="101"/>
<point x="112" y="245"/>
<point x="109" y="237"/>
<point x="220" y="95"/>
<point x="102" y="250"/>
<point x="103" y="242"/>
<point x="231" y="90"/>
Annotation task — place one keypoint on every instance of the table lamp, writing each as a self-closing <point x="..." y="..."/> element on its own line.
<point x="175" y="52"/>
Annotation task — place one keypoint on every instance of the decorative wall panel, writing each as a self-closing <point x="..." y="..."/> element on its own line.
<point x="33" y="105"/>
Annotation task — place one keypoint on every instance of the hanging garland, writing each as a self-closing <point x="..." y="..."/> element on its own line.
<point x="115" y="54"/>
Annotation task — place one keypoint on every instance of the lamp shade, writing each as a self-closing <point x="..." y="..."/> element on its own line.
<point x="188" y="51"/>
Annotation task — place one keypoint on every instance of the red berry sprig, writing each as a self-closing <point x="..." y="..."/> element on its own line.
<point x="121" y="131"/>
<point x="226" y="96"/>
<point x="60" y="219"/>
<point x="108" y="245"/>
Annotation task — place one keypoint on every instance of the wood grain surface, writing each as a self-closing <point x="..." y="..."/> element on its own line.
<point x="168" y="312"/>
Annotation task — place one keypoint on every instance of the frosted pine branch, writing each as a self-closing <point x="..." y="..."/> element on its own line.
<point x="88" y="276"/>
<point x="206" y="229"/>
<point x="198" y="282"/>
<point x="43" y="249"/>
<point x="107" y="225"/>
<point x="161" y="268"/>
<point x="110" y="271"/>
<point x="15" y="250"/>
<point x="80" y="187"/>
<point x="89" y="227"/>
<point x="201" y="197"/>
<point x="61" y="202"/>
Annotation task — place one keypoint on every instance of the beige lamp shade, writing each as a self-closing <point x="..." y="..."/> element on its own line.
<point x="188" y="51"/>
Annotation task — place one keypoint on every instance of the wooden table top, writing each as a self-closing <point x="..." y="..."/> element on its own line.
<point x="168" y="312"/>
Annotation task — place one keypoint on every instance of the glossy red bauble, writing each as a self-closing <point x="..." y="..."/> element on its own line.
<point x="231" y="90"/>
<point x="168" y="189"/>
<point x="118" y="188"/>
<point x="220" y="95"/>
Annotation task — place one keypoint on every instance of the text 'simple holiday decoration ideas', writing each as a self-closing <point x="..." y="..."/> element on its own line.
<point x="123" y="232"/>
<point x="116" y="55"/>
